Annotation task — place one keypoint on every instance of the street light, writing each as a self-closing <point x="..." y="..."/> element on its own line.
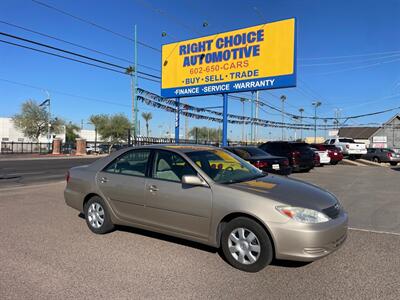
<point x="315" y="104"/>
<point x="301" y="110"/>
<point x="283" y="98"/>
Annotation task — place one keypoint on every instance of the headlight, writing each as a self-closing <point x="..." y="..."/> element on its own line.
<point x="303" y="215"/>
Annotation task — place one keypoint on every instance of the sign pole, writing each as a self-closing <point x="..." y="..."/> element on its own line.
<point x="252" y="118"/>
<point x="135" y="102"/>
<point x="177" y="112"/>
<point x="225" y="121"/>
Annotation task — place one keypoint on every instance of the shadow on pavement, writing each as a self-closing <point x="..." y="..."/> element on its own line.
<point x="289" y="263"/>
<point x="163" y="237"/>
<point x="187" y="243"/>
<point x="396" y="169"/>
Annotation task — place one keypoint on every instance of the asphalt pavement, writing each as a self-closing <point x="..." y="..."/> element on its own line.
<point x="370" y="194"/>
<point x="20" y="172"/>
<point x="48" y="252"/>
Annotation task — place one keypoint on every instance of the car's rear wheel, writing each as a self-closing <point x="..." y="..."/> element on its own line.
<point x="97" y="216"/>
<point x="393" y="163"/>
<point x="246" y="245"/>
<point x="376" y="159"/>
<point x="334" y="162"/>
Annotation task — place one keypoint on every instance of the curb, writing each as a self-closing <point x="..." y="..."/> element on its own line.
<point x="50" y="157"/>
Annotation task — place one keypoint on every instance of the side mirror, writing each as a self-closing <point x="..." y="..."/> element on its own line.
<point x="193" y="180"/>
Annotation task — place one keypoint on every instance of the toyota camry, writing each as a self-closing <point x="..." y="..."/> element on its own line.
<point x="211" y="196"/>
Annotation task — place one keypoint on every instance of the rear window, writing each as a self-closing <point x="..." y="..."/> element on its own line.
<point x="254" y="151"/>
<point x="300" y="146"/>
<point x="351" y="141"/>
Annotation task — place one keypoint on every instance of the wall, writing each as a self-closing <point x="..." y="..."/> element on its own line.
<point x="392" y="131"/>
<point x="10" y="132"/>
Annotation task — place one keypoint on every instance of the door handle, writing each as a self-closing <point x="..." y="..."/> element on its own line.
<point x="103" y="179"/>
<point x="153" y="188"/>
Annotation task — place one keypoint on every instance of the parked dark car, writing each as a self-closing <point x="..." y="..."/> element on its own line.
<point x="333" y="152"/>
<point x="300" y="155"/>
<point x="382" y="155"/>
<point x="263" y="160"/>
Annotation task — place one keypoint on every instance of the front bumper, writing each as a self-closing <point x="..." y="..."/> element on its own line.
<point x="308" y="242"/>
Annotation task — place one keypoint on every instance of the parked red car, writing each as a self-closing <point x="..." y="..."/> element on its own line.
<point x="334" y="152"/>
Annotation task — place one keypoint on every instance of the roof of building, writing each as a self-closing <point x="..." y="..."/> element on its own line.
<point x="357" y="132"/>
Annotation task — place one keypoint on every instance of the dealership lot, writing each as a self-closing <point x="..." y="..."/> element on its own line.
<point x="47" y="251"/>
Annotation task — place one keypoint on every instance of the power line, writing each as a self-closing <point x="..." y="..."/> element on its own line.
<point x="72" y="59"/>
<point x="350" y="56"/>
<point x="77" y="45"/>
<point x="75" y="54"/>
<point x="349" y="62"/>
<point x="95" y="25"/>
<point x="357" y="68"/>
<point x="167" y="15"/>
<point x="66" y="93"/>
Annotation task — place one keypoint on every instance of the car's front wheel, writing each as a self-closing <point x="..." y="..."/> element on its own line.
<point x="393" y="163"/>
<point x="246" y="245"/>
<point x="97" y="216"/>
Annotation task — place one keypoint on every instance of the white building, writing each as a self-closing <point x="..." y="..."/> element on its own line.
<point x="9" y="133"/>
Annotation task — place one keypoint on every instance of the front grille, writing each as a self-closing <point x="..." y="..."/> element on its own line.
<point x="333" y="211"/>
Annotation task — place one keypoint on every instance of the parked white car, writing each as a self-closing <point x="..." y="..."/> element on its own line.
<point x="348" y="147"/>
<point x="324" y="158"/>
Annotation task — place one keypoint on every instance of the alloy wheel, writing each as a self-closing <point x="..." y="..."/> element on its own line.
<point x="244" y="246"/>
<point x="96" y="215"/>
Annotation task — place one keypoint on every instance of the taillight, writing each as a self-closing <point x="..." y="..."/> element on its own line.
<point x="295" y="156"/>
<point x="67" y="176"/>
<point x="260" y="164"/>
<point x="389" y="155"/>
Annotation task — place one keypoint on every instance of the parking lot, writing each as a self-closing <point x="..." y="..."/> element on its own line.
<point x="47" y="251"/>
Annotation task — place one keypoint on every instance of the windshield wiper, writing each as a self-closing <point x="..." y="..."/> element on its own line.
<point x="245" y="179"/>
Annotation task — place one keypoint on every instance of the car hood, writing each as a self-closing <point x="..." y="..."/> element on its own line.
<point x="288" y="192"/>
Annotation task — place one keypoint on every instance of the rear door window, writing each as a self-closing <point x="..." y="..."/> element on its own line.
<point x="132" y="163"/>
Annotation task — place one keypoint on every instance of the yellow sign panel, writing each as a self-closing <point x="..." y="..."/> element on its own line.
<point x="254" y="58"/>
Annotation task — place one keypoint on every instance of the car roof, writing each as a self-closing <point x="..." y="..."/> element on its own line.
<point x="185" y="148"/>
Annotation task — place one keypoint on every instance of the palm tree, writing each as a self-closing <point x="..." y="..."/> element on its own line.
<point x="147" y="117"/>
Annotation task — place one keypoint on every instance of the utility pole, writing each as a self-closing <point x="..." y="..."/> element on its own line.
<point x="315" y="104"/>
<point x="326" y="129"/>
<point x="301" y="110"/>
<point x="48" y="121"/>
<point x="257" y="107"/>
<point x="48" y="118"/>
<point x="283" y="98"/>
<point x="243" y="124"/>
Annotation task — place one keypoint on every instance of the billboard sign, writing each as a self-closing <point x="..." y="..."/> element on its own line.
<point x="249" y="59"/>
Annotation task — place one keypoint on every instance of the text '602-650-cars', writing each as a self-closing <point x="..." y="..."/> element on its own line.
<point x="211" y="196"/>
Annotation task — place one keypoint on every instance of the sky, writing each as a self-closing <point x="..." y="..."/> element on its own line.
<point x="348" y="56"/>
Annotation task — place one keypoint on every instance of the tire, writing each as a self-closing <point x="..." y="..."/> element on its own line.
<point x="393" y="163"/>
<point x="232" y="238"/>
<point x="333" y="163"/>
<point x="97" y="209"/>
<point x="376" y="159"/>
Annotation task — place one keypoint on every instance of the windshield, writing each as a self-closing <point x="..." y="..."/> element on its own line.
<point x="224" y="168"/>
<point x="351" y="141"/>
